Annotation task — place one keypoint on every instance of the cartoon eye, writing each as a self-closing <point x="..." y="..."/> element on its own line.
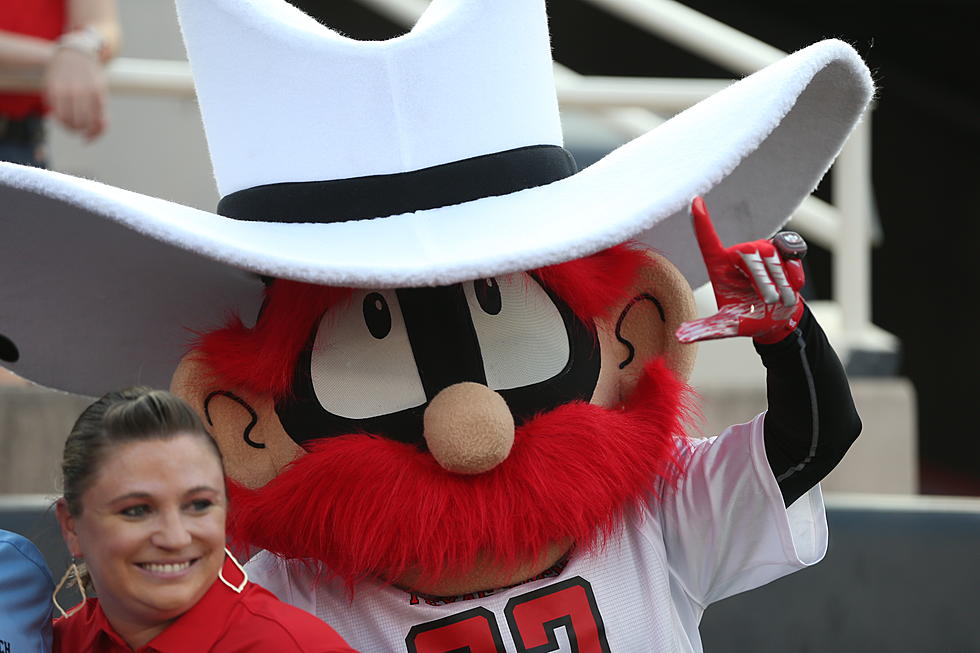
<point x="487" y="292"/>
<point x="523" y="339"/>
<point x="377" y="315"/>
<point x="362" y="363"/>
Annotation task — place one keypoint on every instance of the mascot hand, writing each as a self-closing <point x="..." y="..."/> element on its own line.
<point x="756" y="285"/>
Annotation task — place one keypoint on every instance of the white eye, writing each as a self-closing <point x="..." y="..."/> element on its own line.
<point x="522" y="336"/>
<point x="362" y="364"/>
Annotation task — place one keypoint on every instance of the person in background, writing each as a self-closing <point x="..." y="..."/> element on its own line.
<point x="25" y="596"/>
<point x="68" y="42"/>
<point x="144" y="510"/>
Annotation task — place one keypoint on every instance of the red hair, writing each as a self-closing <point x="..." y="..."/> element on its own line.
<point x="261" y="359"/>
<point x="366" y="506"/>
<point x="594" y="285"/>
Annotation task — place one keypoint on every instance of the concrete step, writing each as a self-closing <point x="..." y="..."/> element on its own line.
<point x="34" y="423"/>
<point x="883" y="460"/>
<point x="732" y="383"/>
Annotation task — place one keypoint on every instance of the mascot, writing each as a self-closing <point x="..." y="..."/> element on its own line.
<point x="446" y="371"/>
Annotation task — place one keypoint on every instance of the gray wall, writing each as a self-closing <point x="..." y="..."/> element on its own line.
<point x="893" y="581"/>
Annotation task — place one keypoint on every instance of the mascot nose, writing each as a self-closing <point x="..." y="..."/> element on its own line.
<point x="468" y="428"/>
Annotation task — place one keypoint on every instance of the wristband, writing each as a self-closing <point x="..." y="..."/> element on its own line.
<point x="87" y="41"/>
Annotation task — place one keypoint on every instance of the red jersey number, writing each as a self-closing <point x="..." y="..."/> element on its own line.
<point x="473" y="631"/>
<point x="533" y="619"/>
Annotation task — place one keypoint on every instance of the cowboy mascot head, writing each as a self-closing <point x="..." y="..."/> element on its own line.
<point x="414" y="329"/>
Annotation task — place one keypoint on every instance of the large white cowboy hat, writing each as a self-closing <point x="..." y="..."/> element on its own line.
<point x="428" y="159"/>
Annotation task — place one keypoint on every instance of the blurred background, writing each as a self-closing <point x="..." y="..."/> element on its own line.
<point x="885" y="277"/>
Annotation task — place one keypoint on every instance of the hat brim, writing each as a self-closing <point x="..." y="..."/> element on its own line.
<point x="96" y="282"/>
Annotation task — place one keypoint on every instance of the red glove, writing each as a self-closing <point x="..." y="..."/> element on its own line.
<point x="756" y="285"/>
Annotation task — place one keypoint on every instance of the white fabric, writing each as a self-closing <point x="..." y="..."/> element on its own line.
<point x="285" y="98"/>
<point x="724" y="531"/>
<point x="754" y="151"/>
<point x="122" y="280"/>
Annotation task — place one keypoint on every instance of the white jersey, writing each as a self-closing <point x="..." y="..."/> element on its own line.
<point x="723" y="531"/>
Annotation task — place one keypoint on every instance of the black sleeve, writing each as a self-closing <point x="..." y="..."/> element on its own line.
<point x="811" y="420"/>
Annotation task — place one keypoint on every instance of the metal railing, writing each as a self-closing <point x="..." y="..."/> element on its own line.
<point x="633" y="106"/>
<point x="845" y="226"/>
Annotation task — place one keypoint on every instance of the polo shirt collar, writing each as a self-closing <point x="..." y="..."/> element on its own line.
<point x="203" y="625"/>
<point x="206" y="621"/>
<point x="96" y="626"/>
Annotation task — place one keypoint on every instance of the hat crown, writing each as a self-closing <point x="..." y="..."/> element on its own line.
<point x="286" y="99"/>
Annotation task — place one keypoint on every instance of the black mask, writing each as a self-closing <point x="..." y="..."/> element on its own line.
<point x="373" y="365"/>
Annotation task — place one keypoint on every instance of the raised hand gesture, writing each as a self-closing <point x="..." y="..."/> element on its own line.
<point x="756" y="285"/>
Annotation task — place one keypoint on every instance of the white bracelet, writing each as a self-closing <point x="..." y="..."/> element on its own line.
<point x="87" y="40"/>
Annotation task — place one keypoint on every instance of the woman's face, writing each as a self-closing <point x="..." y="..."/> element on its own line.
<point x="152" y="528"/>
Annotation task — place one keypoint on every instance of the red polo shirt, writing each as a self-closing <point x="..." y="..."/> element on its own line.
<point x="223" y="621"/>
<point x="41" y="18"/>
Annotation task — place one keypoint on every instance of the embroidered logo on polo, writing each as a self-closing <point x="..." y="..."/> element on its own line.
<point x="374" y="363"/>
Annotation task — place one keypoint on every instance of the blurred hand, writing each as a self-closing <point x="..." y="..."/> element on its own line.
<point x="75" y="90"/>
<point x="757" y="289"/>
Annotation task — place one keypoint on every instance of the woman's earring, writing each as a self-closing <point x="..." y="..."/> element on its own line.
<point x="237" y="588"/>
<point x="71" y="575"/>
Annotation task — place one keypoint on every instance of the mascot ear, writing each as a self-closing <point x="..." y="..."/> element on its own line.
<point x="244" y="424"/>
<point x="643" y="327"/>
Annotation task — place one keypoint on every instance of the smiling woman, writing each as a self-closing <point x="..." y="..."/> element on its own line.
<point x="144" y="507"/>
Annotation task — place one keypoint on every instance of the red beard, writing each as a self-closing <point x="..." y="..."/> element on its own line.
<point x="365" y="506"/>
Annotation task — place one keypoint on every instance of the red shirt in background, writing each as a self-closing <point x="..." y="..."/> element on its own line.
<point x="41" y="18"/>
<point x="223" y="621"/>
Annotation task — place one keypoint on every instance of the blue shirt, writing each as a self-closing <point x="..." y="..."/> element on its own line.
<point x="25" y="597"/>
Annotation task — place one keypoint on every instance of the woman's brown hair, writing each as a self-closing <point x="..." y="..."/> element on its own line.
<point x="120" y="417"/>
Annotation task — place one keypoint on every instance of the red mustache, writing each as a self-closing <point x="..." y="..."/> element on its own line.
<point x="366" y="506"/>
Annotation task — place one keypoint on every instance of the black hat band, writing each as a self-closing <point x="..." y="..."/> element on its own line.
<point x="361" y="198"/>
